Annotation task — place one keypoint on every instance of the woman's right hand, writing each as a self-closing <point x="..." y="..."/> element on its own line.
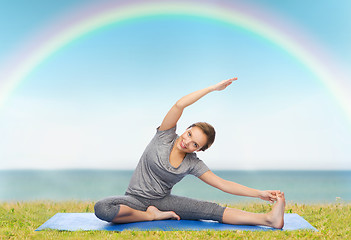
<point x="269" y="195"/>
<point x="223" y="84"/>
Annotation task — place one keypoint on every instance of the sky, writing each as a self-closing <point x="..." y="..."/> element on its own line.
<point x="96" y="102"/>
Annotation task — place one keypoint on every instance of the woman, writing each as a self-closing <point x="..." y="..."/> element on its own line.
<point x="165" y="161"/>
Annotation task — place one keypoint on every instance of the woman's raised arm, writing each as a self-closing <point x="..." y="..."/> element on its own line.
<point x="176" y="111"/>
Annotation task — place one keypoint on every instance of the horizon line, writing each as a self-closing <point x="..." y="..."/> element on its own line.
<point x="132" y="169"/>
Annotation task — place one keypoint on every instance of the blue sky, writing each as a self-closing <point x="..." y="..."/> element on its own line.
<point x="96" y="103"/>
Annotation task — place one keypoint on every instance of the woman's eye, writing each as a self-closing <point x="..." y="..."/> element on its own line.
<point x="189" y="134"/>
<point x="196" y="145"/>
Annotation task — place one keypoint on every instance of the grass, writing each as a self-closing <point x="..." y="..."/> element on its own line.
<point x="18" y="220"/>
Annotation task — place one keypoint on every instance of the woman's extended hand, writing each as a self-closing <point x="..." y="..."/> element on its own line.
<point x="223" y="84"/>
<point x="269" y="195"/>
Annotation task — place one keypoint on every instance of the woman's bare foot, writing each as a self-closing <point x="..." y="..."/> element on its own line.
<point x="159" y="215"/>
<point x="276" y="216"/>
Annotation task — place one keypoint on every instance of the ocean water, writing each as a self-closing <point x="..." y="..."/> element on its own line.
<point x="299" y="186"/>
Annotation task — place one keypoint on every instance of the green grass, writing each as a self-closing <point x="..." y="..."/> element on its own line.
<point x="18" y="220"/>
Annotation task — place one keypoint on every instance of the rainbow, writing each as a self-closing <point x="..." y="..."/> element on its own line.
<point x="108" y="13"/>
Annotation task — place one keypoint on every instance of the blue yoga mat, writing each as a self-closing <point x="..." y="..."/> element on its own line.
<point x="88" y="221"/>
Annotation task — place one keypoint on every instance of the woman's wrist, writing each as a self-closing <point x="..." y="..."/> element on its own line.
<point x="212" y="88"/>
<point x="259" y="193"/>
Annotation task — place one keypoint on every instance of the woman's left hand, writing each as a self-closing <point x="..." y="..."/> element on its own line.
<point x="223" y="84"/>
<point x="269" y="195"/>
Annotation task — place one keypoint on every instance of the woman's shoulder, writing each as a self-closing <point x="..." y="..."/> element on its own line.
<point x="173" y="129"/>
<point x="197" y="167"/>
<point x="193" y="158"/>
<point x="167" y="135"/>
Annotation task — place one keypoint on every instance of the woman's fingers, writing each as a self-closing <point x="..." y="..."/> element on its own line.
<point x="230" y="81"/>
<point x="225" y="83"/>
<point x="270" y="195"/>
<point x="273" y="195"/>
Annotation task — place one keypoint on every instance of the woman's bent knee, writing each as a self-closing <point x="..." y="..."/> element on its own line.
<point x="106" y="210"/>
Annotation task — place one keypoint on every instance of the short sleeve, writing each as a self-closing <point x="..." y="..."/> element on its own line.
<point x="199" y="168"/>
<point x="166" y="135"/>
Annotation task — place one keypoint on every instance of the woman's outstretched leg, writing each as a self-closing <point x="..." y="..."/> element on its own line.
<point x="127" y="214"/>
<point x="274" y="218"/>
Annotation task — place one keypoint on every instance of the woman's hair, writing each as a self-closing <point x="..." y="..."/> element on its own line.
<point x="208" y="130"/>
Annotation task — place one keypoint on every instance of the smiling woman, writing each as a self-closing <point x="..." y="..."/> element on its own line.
<point x="167" y="160"/>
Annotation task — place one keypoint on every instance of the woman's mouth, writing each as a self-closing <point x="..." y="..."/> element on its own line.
<point x="182" y="145"/>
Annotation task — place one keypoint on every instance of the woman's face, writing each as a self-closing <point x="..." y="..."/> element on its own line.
<point x="193" y="139"/>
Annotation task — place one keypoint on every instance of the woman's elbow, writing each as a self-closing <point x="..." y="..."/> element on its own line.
<point x="179" y="104"/>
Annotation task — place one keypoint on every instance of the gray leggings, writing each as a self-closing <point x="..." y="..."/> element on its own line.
<point x="187" y="208"/>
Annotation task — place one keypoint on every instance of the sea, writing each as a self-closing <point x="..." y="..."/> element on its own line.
<point x="308" y="187"/>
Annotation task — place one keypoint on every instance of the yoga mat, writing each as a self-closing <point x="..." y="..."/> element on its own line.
<point x="88" y="221"/>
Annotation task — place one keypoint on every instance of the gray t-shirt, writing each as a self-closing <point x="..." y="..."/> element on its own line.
<point x="154" y="175"/>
